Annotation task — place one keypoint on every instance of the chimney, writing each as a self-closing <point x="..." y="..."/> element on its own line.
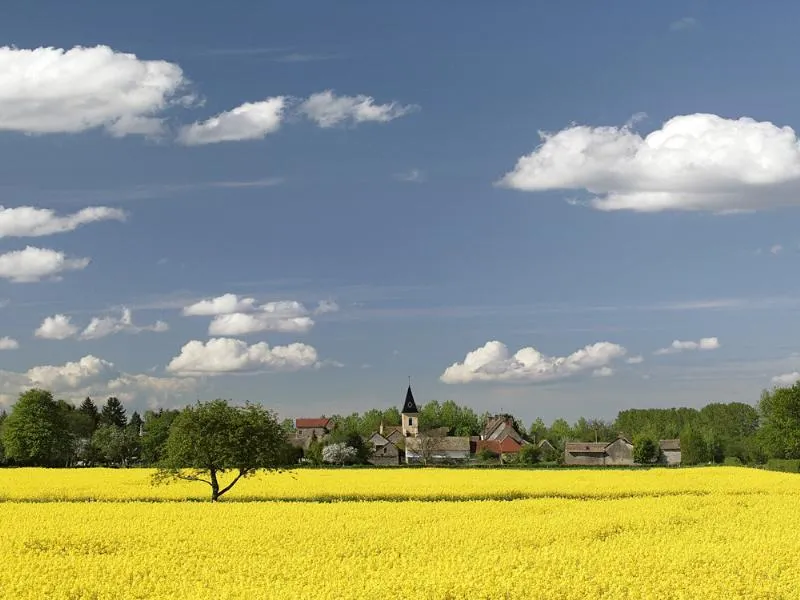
<point x="380" y="429"/>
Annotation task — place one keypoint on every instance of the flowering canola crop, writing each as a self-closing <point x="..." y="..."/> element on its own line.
<point x="660" y="534"/>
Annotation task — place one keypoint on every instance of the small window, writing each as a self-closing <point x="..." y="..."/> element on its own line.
<point x="410" y="421"/>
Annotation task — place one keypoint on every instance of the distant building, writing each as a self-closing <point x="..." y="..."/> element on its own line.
<point x="670" y="451"/>
<point x="308" y="428"/>
<point x="546" y="447"/>
<point x="435" y="448"/>
<point x="505" y="447"/>
<point x="499" y="428"/>
<point x="616" y="453"/>
<point x="384" y="451"/>
<point x="409" y="415"/>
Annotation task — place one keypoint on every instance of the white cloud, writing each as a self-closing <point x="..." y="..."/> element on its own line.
<point x="494" y="362"/>
<point x="7" y="343"/>
<point x="156" y="390"/>
<point x="57" y="327"/>
<point x="776" y="249"/>
<point x="684" y="24"/>
<point x="326" y="306"/>
<point x="53" y="90"/>
<point x="225" y="355"/>
<point x="221" y="305"/>
<point x="250" y="121"/>
<point x="412" y="176"/>
<point x="28" y="221"/>
<point x="327" y="110"/>
<point x="787" y="379"/>
<point x="709" y="343"/>
<point x="284" y="316"/>
<point x="87" y="371"/>
<point x="635" y="360"/>
<point x="100" y="327"/>
<point x="603" y="372"/>
<point x="693" y="162"/>
<point x="34" y="264"/>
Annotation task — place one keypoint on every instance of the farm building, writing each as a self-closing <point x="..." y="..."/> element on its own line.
<point x="616" y="453"/>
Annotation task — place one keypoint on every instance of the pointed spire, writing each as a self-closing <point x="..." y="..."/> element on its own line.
<point x="409" y="406"/>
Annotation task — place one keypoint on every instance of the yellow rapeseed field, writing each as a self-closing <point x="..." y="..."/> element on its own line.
<point x="656" y="534"/>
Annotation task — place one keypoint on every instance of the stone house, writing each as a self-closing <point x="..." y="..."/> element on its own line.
<point x="499" y="428"/>
<point x="670" y="451"/>
<point x="384" y="451"/>
<point x="616" y="453"/>
<point x="505" y="447"/>
<point x="316" y="428"/>
<point x="433" y="448"/>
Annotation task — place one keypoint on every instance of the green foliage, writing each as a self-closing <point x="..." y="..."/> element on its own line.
<point x="212" y="438"/>
<point x="35" y="433"/>
<point x="780" y="422"/>
<point x="732" y="461"/>
<point x="487" y="455"/>
<point x="787" y="465"/>
<point x="661" y="423"/>
<point x="113" y="413"/>
<point x="694" y="449"/>
<point x="645" y="449"/>
<point x="155" y="431"/>
<point x="135" y="423"/>
<point x="459" y="420"/>
<point x="89" y="409"/>
<point x="116" y="446"/>
<point x="529" y="454"/>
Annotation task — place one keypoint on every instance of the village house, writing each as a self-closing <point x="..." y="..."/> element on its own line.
<point x="385" y="451"/>
<point x="616" y="453"/>
<point x="316" y="428"/>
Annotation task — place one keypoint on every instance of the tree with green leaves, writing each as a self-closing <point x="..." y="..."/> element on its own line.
<point x="210" y="439"/>
<point x="155" y="431"/>
<point x="35" y="433"/>
<point x="529" y="454"/>
<point x="780" y="422"/>
<point x="135" y="423"/>
<point x="113" y="413"/>
<point x="694" y="449"/>
<point x="645" y="449"/>
<point x="119" y="446"/>
<point x="89" y="408"/>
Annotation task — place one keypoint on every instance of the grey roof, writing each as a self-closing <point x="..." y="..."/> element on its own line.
<point x="670" y="444"/>
<point x="442" y="444"/>
<point x="599" y="447"/>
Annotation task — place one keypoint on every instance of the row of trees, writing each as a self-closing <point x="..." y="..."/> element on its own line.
<point x="41" y="430"/>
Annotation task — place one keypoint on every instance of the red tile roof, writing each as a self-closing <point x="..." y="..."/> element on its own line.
<point x="311" y="423"/>
<point x="506" y="446"/>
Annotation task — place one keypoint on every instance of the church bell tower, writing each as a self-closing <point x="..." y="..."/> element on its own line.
<point x="410" y="415"/>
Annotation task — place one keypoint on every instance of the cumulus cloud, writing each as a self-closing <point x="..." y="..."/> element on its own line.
<point x="93" y="376"/>
<point x="709" y="343"/>
<point x="221" y="305"/>
<point x="693" y="162"/>
<point x="87" y="371"/>
<point x="100" y="327"/>
<point x="776" y="249"/>
<point x="226" y="355"/>
<point x="57" y="327"/>
<point x="250" y="121"/>
<point x="603" y="372"/>
<point x="494" y="362"/>
<point x="54" y="90"/>
<point x="35" y="264"/>
<point x="28" y="221"/>
<point x="235" y="316"/>
<point x="7" y="343"/>
<point x="787" y="379"/>
<point x="635" y="360"/>
<point x="327" y="109"/>
<point x="284" y="316"/>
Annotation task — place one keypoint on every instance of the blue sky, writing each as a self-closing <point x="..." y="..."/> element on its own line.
<point x="377" y="187"/>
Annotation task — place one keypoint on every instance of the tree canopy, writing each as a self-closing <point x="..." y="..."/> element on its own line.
<point x="213" y="438"/>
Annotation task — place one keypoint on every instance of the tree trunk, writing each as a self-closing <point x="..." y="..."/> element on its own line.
<point x="214" y="486"/>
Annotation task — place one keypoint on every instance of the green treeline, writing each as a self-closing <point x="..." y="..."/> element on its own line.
<point x="40" y="430"/>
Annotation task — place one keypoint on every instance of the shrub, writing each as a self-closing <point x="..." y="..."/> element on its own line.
<point x="528" y="454"/>
<point x="732" y="461"/>
<point x="486" y="455"/>
<point x="645" y="450"/>
<point x="787" y="465"/>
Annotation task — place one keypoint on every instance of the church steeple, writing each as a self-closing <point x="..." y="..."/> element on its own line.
<point x="410" y="415"/>
<point x="409" y="406"/>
